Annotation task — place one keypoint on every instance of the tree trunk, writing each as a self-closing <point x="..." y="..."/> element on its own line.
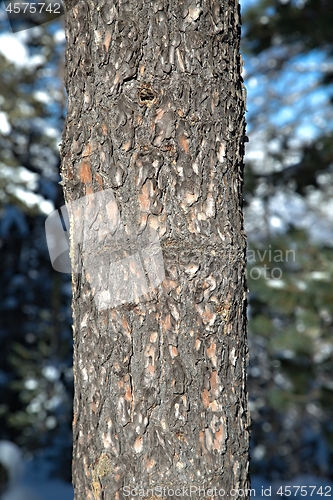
<point x="155" y="127"/>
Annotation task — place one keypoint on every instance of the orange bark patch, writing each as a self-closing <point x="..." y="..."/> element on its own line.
<point x="117" y="77"/>
<point x="218" y="441"/>
<point x="143" y="220"/>
<point x="213" y="406"/>
<point x="201" y="437"/>
<point x="190" y="198"/>
<point x="184" y="142"/>
<point x="160" y="113"/>
<point x="166" y="323"/>
<point x="138" y="445"/>
<point x="127" y="146"/>
<point x="86" y="177"/>
<point x="150" y="464"/>
<point x="211" y="351"/>
<point x="169" y="285"/>
<point x="128" y="393"/>
<point x="85" y="173"/>
<point x="205" y="398"/>
<point x="113" y="214"/>
<point x="125" y="325"/>
<point x="144" y="198"/>
<point x="214" y="383"/>
<point x="153" y="337"/>
<point x="134" y="268"/>
<point x="208" y="316"/>
<point x="87" y="150"/>
<point x="173" y="351"/>
<point x="107" y="40"/>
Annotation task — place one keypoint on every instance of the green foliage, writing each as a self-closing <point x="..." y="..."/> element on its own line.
<point x="294" y="312"/>
<point x="303" y="25"/>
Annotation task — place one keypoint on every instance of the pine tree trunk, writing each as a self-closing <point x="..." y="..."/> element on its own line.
<point x="156" y="118"/>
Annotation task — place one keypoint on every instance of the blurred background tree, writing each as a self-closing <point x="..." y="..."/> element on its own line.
<point x="35" y="317"/>
<point x="288" y="53"/>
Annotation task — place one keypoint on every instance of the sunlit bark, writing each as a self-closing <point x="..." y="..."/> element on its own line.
<point x="156" y="114"/>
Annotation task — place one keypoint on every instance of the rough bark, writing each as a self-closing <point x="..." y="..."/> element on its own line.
<point x="156" y="113"/>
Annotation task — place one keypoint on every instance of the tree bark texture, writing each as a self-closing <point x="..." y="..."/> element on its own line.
<point x="156" y="114"/>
